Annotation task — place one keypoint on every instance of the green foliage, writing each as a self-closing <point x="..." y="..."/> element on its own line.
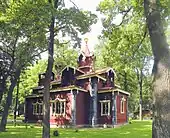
<point x="127" y="48"/>
<point x="65" y="55"/>
<point x="29" y="79"/>
<point x="24" y="35"/>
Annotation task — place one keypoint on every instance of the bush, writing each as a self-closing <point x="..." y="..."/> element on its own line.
<point x="55" y="133"/>
<point x="130" y="120"/>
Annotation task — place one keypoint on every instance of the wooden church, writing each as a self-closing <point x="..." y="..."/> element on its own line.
<point x="81" y="96"/>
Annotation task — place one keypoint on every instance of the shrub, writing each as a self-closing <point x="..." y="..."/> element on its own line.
<point x="55" y="133"/>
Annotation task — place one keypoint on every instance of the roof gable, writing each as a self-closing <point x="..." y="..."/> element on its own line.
<point x="105" y="70"/>
<point x="72" y="68"/>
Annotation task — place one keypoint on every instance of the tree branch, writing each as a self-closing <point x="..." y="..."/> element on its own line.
<point x="124" y="16"/>
<point x="74" y="4"/>
<point x="143" y="38"/>
<point x="58" y="29"/>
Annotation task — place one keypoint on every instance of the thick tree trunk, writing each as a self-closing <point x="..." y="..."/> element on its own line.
<point x="46" y="96"/>
<point x="9" y="101"/>
<point x="161" y="71"/>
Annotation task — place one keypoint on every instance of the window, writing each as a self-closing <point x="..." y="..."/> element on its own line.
<point x="105" y="107"/>
<point x="37" y="108"/>
<point x="122" y="105"/>
<point x="58" y="107"/>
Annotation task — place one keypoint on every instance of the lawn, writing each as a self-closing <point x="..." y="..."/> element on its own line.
<point x="137" y="129"/>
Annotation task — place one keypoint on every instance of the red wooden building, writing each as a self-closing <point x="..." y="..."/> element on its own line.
<point x="81" y="96"/>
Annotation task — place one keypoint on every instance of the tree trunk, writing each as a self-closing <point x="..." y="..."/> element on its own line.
<point x="2" y="88"/>
<point x="16" y="103"/>
<point x="9" y="101"/>
<point x="140" y="94"/>
<point x="161" y="71"/>
<point x="140" y="83"/>
<point x="125" y="81"/>
<point x="3" y="84"/>
<point x="46" y="95"/>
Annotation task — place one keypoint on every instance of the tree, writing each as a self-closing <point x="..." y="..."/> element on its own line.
<point x="71" y="25"/>
<point x="161" y="85"/>
<point x="156" y="13"/>
<point x="65" y="55"/>
<point x="29" y="33"/>
<point x="129" y="40"/>
<point x="20" y="45"/>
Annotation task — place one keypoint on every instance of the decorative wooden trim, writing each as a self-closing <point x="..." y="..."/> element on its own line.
<point x="108" y="102"/>
<point x="38" y="88"/>
<point x="37" y="109"/>
<point x="72" y="68"/>
<point x="105" y="71"/>
<point x="118" y="86"/>
<point x="60" y="101"/>
<point x="55" y="82"/>
<point x="114" y="90"/>
<point x="34" y="96"/>
<point x="90" y="76"/>
<point x="69" y="88"/>
<point x="72" y="87"/>
<point x="104" y="101"/>
<point x="122" y="105"/>
<point x="84" y="67"/>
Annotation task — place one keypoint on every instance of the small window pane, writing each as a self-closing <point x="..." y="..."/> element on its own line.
<point x="53" y="108"/>
<point x="40" y="108"/>
<point x="105" y="108"/>
<point x="58" y="107"/>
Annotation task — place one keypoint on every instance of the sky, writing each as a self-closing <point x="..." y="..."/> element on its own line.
<point x="96" y="29"/>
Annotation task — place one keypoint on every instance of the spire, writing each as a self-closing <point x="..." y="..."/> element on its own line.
<point x="85" y="49"/>
<point x="86" y="58"/>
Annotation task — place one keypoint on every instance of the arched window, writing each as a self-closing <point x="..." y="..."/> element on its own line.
<point x="122" y="105"/>
<point x="37" y="108"/>
<point x="58" y="106"/>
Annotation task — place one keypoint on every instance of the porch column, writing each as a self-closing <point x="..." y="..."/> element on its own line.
<point x="114" y="111"/>
<point x="73" y="111"/>
<point x="94" y="82"/>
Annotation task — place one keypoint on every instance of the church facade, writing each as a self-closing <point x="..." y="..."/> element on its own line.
<point x="80" y="96"/>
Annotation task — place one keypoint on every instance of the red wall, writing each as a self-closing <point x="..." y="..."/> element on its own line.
<point x="104" y="119"/>
<point x="29" y="111"/>
<point x="82" y="108"/>
<point x="121" y="117"/>
<point x="63" y="119"/>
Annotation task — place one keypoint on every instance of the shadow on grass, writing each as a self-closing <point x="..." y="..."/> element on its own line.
<point x="134" y="130"/>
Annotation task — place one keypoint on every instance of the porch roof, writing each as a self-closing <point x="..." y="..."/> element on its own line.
<point x="85" y="76"/>
<point x="60" y="89"/>
<point x="67" y="88"/>
<point x="111" y="89"/>
<point x="34" y="96"/>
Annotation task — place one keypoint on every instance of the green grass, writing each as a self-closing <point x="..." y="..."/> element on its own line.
<point x="137" y="129"/>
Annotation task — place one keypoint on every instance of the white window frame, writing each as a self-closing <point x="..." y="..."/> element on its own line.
<point x="54" y="103"/>
<point x="102" y="102"/>
<point x="36" y="108"/>
<point x="122" y="105"/>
